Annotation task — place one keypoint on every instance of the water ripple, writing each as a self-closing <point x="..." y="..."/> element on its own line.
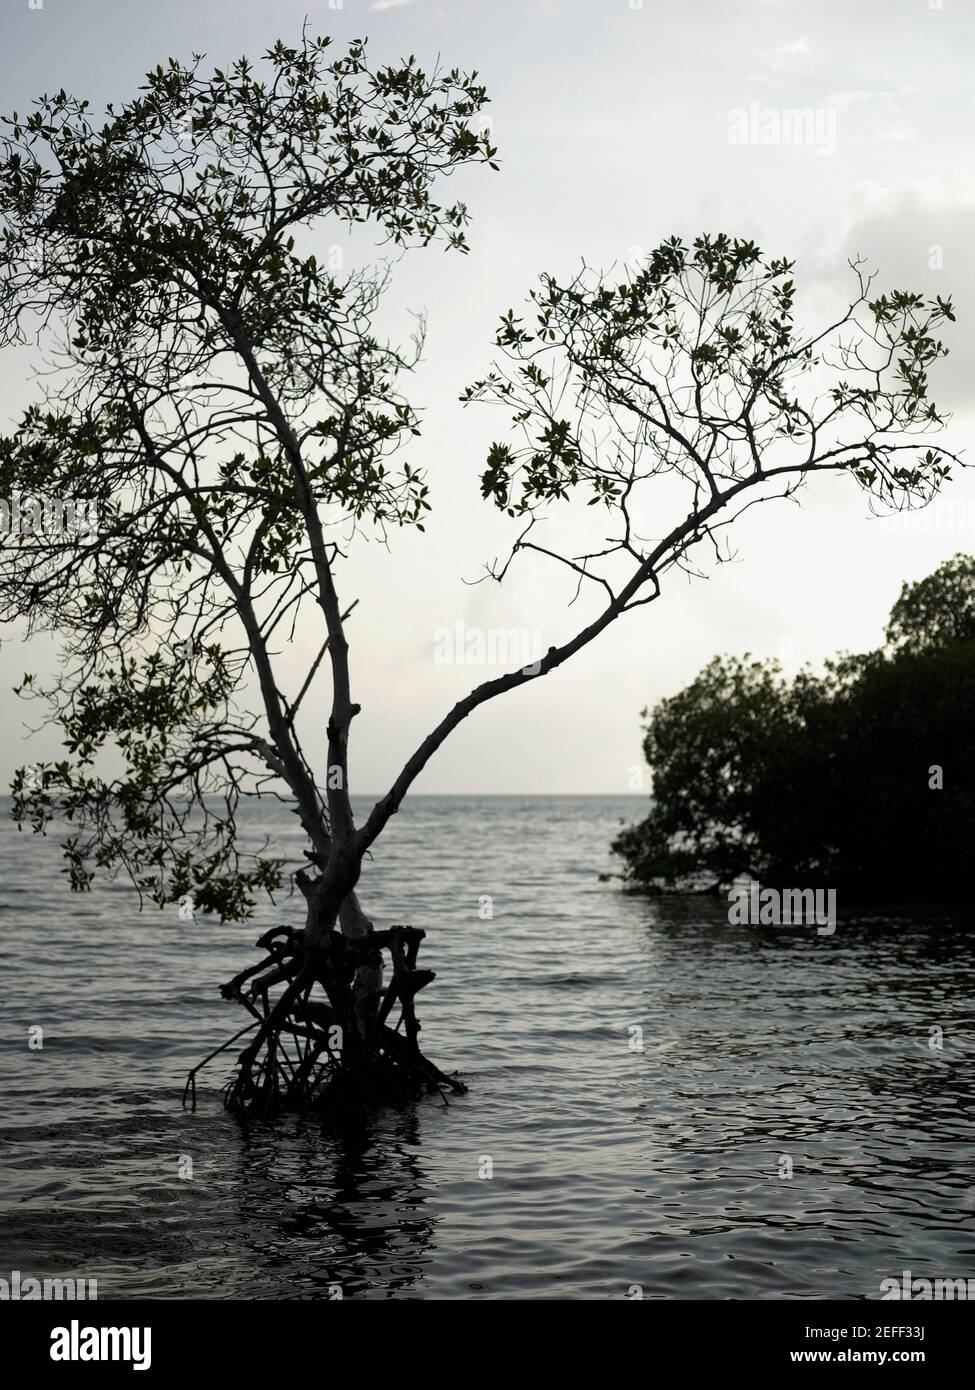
<point x="617" y="1157"/>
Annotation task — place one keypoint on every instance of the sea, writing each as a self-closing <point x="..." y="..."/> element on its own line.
<point x="661" y="1104"/>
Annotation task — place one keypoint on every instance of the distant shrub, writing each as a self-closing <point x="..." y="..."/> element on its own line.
<point x="862" y="777"/>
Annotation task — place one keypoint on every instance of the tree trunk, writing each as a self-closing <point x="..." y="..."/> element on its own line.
<point x="367" y="986"/>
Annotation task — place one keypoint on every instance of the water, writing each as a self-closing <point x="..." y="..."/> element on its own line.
<point x="612" y="1167"/>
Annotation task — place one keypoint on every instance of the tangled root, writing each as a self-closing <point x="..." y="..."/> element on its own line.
<point x="332" y="1053"/>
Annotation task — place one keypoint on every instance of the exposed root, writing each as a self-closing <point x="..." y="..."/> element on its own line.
<point x="336" y="1052"/>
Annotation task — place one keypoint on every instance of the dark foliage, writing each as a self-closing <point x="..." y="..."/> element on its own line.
<point x="831" y="778"/>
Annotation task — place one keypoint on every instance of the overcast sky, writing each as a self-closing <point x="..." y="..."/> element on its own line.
<point x="613" y="122"/>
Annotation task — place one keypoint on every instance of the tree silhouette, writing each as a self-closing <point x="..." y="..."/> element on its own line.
<point x="219" y="397"/>
<point x="857" y="778"/>
<point x="938" y="609"/>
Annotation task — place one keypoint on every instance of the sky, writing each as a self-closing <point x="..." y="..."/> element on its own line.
<point x="617" y="126"/>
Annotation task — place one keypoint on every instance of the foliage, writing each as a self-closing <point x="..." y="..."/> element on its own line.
<point x="226" y="404"/>
<point x="221" y="400"/>
<point x="828" y="779"/>
<point x="938" y="610"/>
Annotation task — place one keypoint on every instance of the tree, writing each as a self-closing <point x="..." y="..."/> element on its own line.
<point x="859" y="778"/>
<point x="711" y="747"/>
<point x="937" y="610"/>
<point x="218" y="390"/>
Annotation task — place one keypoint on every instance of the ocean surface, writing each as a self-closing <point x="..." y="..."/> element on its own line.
<point x="643" y="1079"/>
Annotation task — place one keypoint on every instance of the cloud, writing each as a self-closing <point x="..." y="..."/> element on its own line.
<point x="790" y="57"/>
<point x="843" y="101"/>
<point x="898" y="133"/>
<point x="916" y="237"/>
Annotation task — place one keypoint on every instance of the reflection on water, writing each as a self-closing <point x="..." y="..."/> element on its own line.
<point x="349" y="1210"/>
<point x="640" y="1073"/>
